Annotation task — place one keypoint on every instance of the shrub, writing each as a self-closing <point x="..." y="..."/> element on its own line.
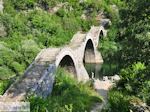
<point x="4" y="85"/>
<point x="6" y="54"/>
<point x="132" y="86"/>
<point x="6" y="73"/>
<point x="21" y="4"/>
<point x="135" y="82"/>
<point x="29" y="50"/>
<point x="144" y="92"/>
<point x="17" y="68"/>
<point x="68" y="96"/>
<point x="133" y="78"/>
<point x="108" y="47"/>
<point x="117" y="102"/>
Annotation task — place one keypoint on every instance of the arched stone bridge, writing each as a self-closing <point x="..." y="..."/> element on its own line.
<point x="39" y="76"/>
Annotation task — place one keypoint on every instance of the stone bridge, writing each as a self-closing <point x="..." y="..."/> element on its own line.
<point x="39" y="76"/>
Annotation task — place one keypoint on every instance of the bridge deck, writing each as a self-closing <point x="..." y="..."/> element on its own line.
<point x="77" y="40"/>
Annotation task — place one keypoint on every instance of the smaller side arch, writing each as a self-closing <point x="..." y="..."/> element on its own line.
<point x="101" y="35"/>
<point x="89" y="52"/>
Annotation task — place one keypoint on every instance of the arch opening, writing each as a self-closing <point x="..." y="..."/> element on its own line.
<point x="68" y="64"/>
<point x="101" y="35"/>
<point x="89" y="58"/>
<point x="89" y="54"/>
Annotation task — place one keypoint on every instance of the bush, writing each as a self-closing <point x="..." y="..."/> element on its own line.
<point x="17" y="68"/>
<point x="133" y="78"/>
<point x="22" y="5"/>
<point x="135" y="82"/>
<point x="68" y="96"/>
<point x="144" y="93"/>
<point x="117" y="102"/>
<point x="4" y="85"/>
<point x="6" y="73"/>
<point x="7" y="55"/>
<point x="132" y="86"/>
<point x="108" y="48"/>
<point x="29" y="50"/>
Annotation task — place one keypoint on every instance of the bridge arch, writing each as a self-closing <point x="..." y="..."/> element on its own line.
<point x="66" y="60"/>
<point x="89" y="52"/>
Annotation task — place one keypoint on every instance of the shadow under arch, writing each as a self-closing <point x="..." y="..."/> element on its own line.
<point x="68" y="64"/>
<point x="89" y="52"/>
<point x="101" y="35"/>
<point x="89" y="57"/>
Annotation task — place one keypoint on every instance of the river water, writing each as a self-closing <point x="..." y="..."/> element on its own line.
<point x="100" y="70"/>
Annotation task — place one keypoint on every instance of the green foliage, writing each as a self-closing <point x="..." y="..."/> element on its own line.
<point x="6" y="54"/>
<point x="131" y="31"/>
<point x="117" y="102"/>
<point x="6" y="73"/>
<point x="17" y="68"/>
<point x="30" y="26"/>
<point x="133" y="35"/>
<point x="135" y="82"/>
<point x="4" y="85"/>
<point x="68" y="96"/>
<point x="110" y="50"/>
<point x="144" y="93"/>
<point x="135" y="26"/>
<point x="108" y="47"/>
<point x="29" y="50"/>
<point x="133" y="77"/>
<point x="23" y="4"/>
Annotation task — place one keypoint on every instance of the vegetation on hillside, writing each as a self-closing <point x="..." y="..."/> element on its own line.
<point x="30" y="26"/>
<point x="128" y="47"/>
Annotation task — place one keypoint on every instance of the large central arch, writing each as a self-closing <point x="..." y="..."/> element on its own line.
<point x="68" y="64"/>
<point x="65" y="59"/>
<point x="89" y="52"/>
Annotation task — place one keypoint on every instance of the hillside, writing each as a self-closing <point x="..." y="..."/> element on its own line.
<point x="28" y="26"/>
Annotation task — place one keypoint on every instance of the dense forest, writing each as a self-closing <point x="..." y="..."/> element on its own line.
<point x="27" y="26"/>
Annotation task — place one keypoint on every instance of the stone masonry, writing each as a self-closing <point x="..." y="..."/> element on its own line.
<point x="39" y="76"/>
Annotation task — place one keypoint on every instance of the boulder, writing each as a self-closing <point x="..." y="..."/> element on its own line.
<point x="106" y="23"/>
<point x="139" y="107"/>
<point x="115" y="78"/>
<point x="105" y="78"/>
